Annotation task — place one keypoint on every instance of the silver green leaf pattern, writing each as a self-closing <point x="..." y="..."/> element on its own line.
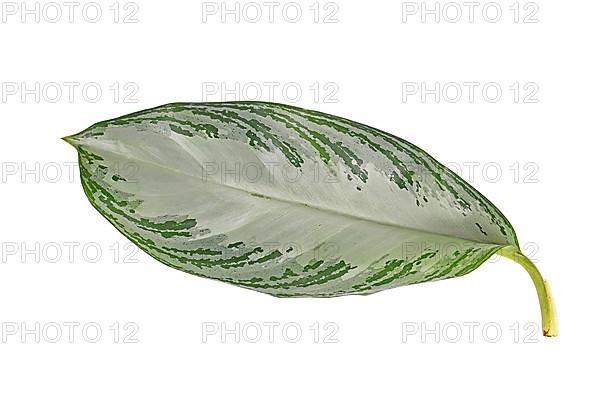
<point x="284" y="200"/>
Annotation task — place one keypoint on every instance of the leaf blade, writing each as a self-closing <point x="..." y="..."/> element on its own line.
<point x="354" y="241"/>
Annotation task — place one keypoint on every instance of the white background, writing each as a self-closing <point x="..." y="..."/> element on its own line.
<point x="176" y="53"/>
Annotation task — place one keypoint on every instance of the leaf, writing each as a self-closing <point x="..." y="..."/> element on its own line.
<point x="288" y="201"/>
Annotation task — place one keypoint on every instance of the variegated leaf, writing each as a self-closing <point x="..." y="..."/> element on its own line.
<point x="286" y="201"/>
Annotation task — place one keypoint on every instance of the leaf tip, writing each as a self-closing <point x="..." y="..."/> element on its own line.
<point x="71" y="139"/>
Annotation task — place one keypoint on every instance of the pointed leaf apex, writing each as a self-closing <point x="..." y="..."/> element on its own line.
<point x="71" y="139"/>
